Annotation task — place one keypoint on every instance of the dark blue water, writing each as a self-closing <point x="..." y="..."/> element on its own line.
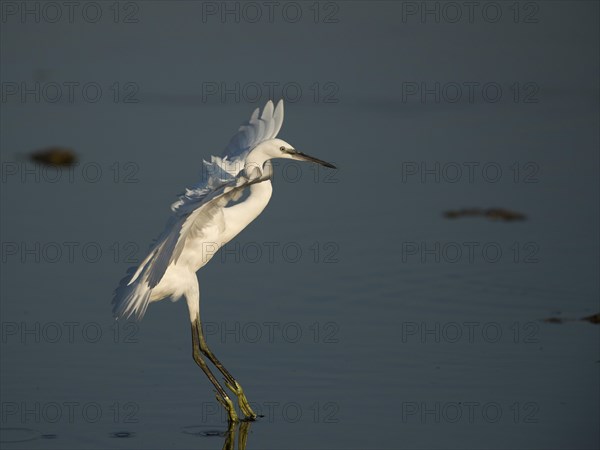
<point x="352" y="311"/>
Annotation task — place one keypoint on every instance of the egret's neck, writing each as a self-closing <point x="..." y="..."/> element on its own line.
<point x="260" y="193"/>
<point x="256" y="159"/>
<point x="238" y="216"/>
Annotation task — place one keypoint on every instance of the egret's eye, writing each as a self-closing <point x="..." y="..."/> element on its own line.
<point x="282" y="148"/>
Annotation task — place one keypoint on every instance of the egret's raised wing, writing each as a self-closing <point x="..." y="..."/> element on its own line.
<point x="189" y="221"/>
<point x="259" y="128"/>
<point x="222" y="170"/>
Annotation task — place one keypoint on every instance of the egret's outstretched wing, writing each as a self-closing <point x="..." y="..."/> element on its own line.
<point x="258" y="129"/>
<point x="222" y="170"/>
<point x="189" y="221"/>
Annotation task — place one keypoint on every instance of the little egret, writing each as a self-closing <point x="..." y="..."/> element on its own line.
<point x="203" y="219"/>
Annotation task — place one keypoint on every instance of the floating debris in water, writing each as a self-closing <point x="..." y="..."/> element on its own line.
<point x="594" y="318"/>
<point x="554" y="320"/>
<point x="122" y="434"/>
<point x="55" y="156"/>
<point x="491" y="213"/>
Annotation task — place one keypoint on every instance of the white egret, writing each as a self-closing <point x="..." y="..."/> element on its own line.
<point x="205" y="218"/>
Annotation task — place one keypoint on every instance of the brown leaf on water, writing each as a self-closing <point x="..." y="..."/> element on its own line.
<point x="504" y="214"/>
<point x="491" y="213"/>
<point x="55" y="156"/>
<point x="471" y="212"/>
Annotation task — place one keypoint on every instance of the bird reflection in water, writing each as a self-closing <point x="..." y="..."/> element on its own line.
<point x="244" y="428"/>
<point x="235" y="431"/>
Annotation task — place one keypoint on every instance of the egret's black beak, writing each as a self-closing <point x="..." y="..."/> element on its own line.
<point x="305" y="157"/>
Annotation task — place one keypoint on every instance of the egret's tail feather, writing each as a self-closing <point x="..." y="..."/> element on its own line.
<point x="131" y="299"/>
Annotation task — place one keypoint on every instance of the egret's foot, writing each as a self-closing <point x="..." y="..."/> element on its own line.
<point x="228" y="405"/>
<point x="242" y="400"/>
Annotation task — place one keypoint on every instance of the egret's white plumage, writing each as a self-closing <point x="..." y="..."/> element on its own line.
<point x="201" y="222"/>
<point x="204" y="218"/>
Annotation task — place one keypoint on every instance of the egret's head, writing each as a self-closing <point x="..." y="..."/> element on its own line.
<point x="278" y="148"/>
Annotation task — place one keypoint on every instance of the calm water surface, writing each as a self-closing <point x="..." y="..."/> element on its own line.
<point x="354" y="314"/>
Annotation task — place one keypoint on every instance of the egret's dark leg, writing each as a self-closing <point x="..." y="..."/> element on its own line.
<point x="222" y="396"/>
<point x="229" y="380"/>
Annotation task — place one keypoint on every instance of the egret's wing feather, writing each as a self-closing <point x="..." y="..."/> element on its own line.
<point x="189" y="222"/>
<point x="267" y="119"/>
<point x="221" y="170"/>
<point x="259" y="128"/>
<point x="193" y="211"/>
